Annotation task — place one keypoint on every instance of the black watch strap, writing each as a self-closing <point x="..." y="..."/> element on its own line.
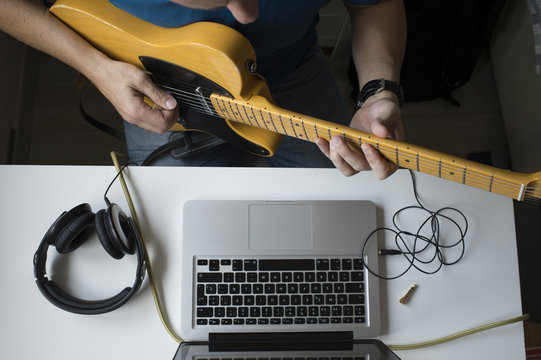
<point x="376" y="86"/>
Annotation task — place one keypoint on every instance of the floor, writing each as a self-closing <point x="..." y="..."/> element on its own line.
<point x="61" y="136"/>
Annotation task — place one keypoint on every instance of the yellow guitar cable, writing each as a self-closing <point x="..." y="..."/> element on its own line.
<point x="178" y="339"/>
<point x="153" y="286"/>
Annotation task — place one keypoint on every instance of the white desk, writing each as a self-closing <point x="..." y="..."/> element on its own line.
<point x="482" y="288"/>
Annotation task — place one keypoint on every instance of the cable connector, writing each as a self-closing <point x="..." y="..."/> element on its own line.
<point x="389" y="252"/>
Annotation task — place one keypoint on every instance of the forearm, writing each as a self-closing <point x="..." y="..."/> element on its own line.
<point x="31" y="23"/>
<point x="378" y="40"/>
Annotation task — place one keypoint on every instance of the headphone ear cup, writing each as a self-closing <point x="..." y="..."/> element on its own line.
<point x="71" y="236"/>
<point x="106" y="235"/>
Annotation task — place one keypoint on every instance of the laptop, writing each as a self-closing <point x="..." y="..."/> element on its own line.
<point x="351" y="350"/>
<point x="267" y="267"/>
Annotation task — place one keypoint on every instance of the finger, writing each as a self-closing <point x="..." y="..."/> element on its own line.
<point x="340" y="150"/>
<point x="323" y="145"/>
<point x="381" y="167"/>
<point x="150" y="118"/>
<point x="161" y="98"/>
<point x="338" y="147"/>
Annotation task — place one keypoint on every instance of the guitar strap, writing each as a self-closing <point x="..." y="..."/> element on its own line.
<point x="182" y="146"/>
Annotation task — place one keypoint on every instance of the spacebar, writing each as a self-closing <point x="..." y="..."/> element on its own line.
<point x="286" y="264"/>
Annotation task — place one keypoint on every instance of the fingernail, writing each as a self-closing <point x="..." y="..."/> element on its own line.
<point x="171" y="103"/>
<point x="334" y="142"/>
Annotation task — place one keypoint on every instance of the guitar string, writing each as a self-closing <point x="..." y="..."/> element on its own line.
<point x="195" y="102"/>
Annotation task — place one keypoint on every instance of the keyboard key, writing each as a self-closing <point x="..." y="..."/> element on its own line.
<point x="237" y="265"/>
<point x="356" y="299"/>
<point x="333" y="276"/>
<point x="237" y="300"/>
<point x="205" y="312"/>
<point x="322" y="264"/>
<point x="347" y="264"/>
<point x="229" y="277"/>
<point x="357" y="264"/>
<point x="249" y="300"/>
<point x="286" y="264"/>
<point x="219" y="311"/>
<point x="250" y="265"/>
<point x="354" y="287"/>
<point x="335" y="264"/>
<point x="356" y="276"/>
<point x="209" y="277"/>
<point x="214" y="265"/>
<point x="266" y="311"/>
<point x="202" y="262"/>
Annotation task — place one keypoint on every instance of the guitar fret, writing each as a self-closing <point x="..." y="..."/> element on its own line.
<point x="224" y="108"/>
<point x="282" y="123"/>
<point x="238" y="112"/>
<point x="304" y="129"/>
<point x="293" y="127"/>
<point x="273" y="122"/>
<point x="246" y="114"/>
<point x="315" y="128"/>
<point x="253" y="113"/>
<point x="267" y="121"/>
<point x="396" y="155"/>
<point x="464" y="176"/>
<point x="491" y="182"/>
<point x="329" y="131"/>
<point x="417" y="161"/>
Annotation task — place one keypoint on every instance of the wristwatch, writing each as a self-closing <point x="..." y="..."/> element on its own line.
<point x="376" y="86"/>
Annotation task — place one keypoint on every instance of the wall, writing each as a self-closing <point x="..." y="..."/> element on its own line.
<point x="518" y="86"/>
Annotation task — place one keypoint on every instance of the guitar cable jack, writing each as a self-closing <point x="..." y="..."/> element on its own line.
<point x="404" y="299"/>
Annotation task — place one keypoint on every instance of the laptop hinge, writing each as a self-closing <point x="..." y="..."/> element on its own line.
<point x="330" y="340"/>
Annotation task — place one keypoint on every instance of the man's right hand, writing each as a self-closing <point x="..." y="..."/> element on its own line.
<point x="126" y="87"/>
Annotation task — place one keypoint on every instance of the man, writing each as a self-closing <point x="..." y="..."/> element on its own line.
<point x="294" y="68"/>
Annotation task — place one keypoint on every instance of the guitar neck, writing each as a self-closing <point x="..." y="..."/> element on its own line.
<point x="258" y="112"/>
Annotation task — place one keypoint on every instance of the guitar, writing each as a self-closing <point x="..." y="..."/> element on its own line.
<point x="210" y="69"/>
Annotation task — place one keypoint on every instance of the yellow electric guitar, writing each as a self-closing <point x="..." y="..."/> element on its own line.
<point x="210" y="69"/>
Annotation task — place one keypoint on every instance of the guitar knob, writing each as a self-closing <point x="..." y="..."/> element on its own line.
<point x="251" y="65"/>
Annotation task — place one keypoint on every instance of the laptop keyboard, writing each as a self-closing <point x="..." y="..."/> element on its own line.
<point x="267" y="291"/>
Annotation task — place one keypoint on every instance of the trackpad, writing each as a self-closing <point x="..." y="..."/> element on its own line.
<point x="280" y="227"/>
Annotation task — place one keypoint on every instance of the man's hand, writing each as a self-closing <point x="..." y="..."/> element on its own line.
<point x="126" y="87"/>
<point x="379" y="115"/>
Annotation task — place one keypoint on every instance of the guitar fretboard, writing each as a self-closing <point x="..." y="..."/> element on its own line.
<point x="259" y="113"/>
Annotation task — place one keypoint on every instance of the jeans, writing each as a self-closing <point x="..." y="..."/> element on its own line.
<point x="309" y="90"/>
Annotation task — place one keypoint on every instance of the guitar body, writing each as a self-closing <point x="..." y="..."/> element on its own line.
<point x="214" y="52"/>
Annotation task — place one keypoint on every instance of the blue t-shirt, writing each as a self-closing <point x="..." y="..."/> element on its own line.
<point x="281" y="36"/>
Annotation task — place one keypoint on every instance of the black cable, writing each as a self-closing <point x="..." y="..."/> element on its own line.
<point x="421" y="244"/>
<point x="112" y="181"/>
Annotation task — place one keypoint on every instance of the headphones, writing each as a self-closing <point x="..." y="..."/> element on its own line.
<point x="117" y="234"/>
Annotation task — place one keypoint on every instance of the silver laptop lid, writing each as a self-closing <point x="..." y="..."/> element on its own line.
<point x="264" y="231"/>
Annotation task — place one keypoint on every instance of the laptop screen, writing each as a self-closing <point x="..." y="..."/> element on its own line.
<point x="357" y="350"/>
